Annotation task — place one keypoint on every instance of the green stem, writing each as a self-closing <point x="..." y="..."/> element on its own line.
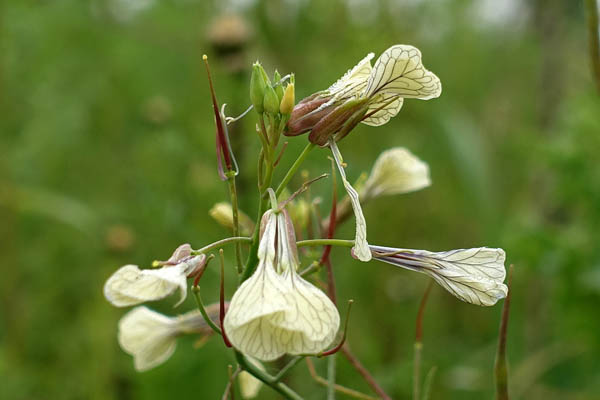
<point x="294" y="168"/>
<point x="331" y="377"/>
<point x="287" y="368"/>
<point x="267" y="379"/>
<point x="236" y="225"/>
<point x="209" y="321"/>
<point x="221" y="242"/>
<point x="325" y="242"/>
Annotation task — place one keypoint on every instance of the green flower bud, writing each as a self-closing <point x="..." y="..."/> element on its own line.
<point x="278" y="87"/>
<point x="271" y="101"/>
<point x="258" y="84"/>
<point x="287" y="102"/>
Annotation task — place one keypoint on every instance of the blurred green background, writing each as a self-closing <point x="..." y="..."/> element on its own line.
<point x="107" y="158"/>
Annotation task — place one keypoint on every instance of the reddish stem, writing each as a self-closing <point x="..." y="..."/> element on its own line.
<point x="419" y="324"/>
<point x="365" y="374"/>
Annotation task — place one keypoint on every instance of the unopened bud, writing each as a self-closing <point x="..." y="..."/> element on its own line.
<point x="287" y="102"/>
<point x="271" y="101"/>
<point x="258" y="84"/>
<point x="278" y="85"/>
<point x="223" y="214"/>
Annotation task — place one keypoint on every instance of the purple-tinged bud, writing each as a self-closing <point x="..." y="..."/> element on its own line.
<point x="306" y="114"/>
<point x="334" y="121"/>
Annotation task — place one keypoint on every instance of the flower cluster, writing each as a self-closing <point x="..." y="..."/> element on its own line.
<point x="276" y="309"/>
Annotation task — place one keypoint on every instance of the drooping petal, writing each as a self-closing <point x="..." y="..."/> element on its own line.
<point x="474" y="276"/>
<point x="361" y="246"/>
<point x="399" y="71"/>
<point x="312" y="316"/>
<point x="148" y="336"/>
<point x="396" y="171"/>
<point x="257" y="303"/>
<point x="130" y="286"/>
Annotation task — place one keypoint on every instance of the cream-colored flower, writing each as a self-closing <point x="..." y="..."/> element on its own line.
<point x="395" y="171"/>
<point x="275" y="311"/>
<point x="475" y="276"/>
<point x="371" y="95"/>
<point x="150" y="337"/>
<point x="130" y="286"/>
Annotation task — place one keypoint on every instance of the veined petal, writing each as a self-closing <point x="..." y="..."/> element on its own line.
<point x="361" y="246"/>
<point x="258" y="302"/>
<point x="148" y="336"/>
<point x="383" y="108"/>
<point x="354" y="81"/>
<point x="396" y="171"/>
<point x="130" y="286"/>
<point x="475" y="275"/>
<point x="399" y="71"/>
<point x="312" y="315"/>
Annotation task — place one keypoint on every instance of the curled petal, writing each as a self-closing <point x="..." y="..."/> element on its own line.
<point x="399" y="71"/>
<point x="361" y="246"/>
<point x="148" y="336"/>
<point x="475" y="275"/>
<point x="130" y="286"/>
<point x="396" y="171"/>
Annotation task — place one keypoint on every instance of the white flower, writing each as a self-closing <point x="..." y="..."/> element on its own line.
<point x="130" y="286"/>
<point x="150" y="337"/>
<point x="396" y="171"/>
<point x="371" y="95"/>
<point x="275" y="311"/>
<point x="475" y="276"/>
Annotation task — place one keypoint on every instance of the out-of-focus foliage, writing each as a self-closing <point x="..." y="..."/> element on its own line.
<point x="107" y="158"/>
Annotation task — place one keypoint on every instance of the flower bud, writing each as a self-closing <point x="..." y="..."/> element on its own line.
<point x="287" y="102"/>
<point x="223" y="214"/>
<point x="270" y="101"/>
<point x="258" y="84"/>
<point x="278" y="85"/>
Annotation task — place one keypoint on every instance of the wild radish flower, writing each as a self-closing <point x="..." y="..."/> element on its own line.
<point x="150" y="337"/>
<point x="371" y="95"/>
<point x="475" y="276"/>
<point x="275" y="311"/>
<point x="129" y="285"/>
<point x="395" y="171"/>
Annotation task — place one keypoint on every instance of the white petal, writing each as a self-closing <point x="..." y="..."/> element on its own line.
<point x="396" y="171"/>
<point x="129" y="285"/>
<point x="361" y="247"/>
<point x="473" y="275"/>
<point x="399" y="71"/>
<point x="354" y="81"/>
<point x="258" y="301"/>
<point x="148" y="336"/>
<point x="387" y="106"/>
<point x="312" y="316"/>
